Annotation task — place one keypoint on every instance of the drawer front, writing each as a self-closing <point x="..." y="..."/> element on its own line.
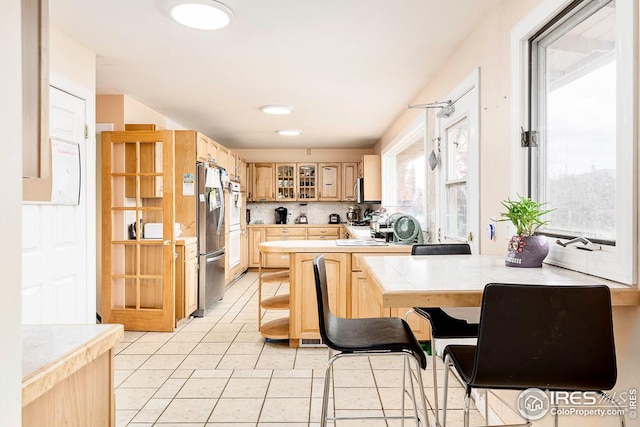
<point x="322" y="237"/>
<point x="298" y="232"/>
<point x="190" y="251"/>
<point x="324" y="231"/>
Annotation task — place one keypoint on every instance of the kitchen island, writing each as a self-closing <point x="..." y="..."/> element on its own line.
<point x="348" y="294"/>
<point x="68" y="375"/>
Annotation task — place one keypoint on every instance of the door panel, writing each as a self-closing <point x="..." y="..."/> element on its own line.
<point x="55" y="247"/>
<point x="138" y="262"/>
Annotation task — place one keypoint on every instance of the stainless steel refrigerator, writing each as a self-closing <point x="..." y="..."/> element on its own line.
<point x="210" y="233"/>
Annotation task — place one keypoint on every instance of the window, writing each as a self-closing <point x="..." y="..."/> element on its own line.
<point x="455" y="183"/>
<point x="573" y="96"/>
<point x="405" y="180"/>
<point x="574" y="82"/>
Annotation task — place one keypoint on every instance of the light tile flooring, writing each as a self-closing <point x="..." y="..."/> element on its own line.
<point x="218" y="371"/>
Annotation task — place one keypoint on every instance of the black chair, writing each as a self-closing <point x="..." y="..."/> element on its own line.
<point x="554" y="338"/>
<point x="442" y="325"/>
<point x="366" y="337"/>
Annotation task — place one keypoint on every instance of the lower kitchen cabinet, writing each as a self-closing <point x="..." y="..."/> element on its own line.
<point x="256" y="236"/>
<point x="304" y="318"/>
<point x="186" y="279"/>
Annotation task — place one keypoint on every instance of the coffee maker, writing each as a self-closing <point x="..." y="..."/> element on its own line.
<point x="281" y="215"/>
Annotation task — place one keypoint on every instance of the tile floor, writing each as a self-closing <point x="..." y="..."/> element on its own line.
<point x="218" y="371"/>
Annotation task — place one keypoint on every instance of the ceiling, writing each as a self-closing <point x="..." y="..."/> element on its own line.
<point x="348" y="67"/>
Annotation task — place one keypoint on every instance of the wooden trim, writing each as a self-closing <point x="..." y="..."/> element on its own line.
<point x="36" y="144"/>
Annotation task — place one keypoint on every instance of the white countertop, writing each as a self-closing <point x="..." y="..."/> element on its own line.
<point x="458" y="280"/>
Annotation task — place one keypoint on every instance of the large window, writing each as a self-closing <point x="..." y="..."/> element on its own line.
<point x="573" y="95"/>
<point x="574" y="83"/>
<point x="404" y="166"/>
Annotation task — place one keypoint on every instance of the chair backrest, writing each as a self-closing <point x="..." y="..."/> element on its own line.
<point x="325" y="317"/>
<point x="441" y="249"/>
<point x="550" y="337"/>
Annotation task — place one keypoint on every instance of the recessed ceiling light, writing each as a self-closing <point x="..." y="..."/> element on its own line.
<point x="276" y="109"/>
<point x="289" y="132"/>
<point x="202" y="14"/>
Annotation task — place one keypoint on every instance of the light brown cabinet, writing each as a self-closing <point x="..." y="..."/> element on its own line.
<point x="263" y="189"/>
<point x="369" y="168"/>
<point x="307" y="182"/>
<point x="349" y="178"/>
<point x="286" y="182"/>
<point x="323" y="233"/>
<point x="329" y="181"/>
<point x="304" y="322"/>
<point x="256" y="236"/>
<point x="242" y="175"/>
<point x="186" y="280"/>
<point x="278" y="234"/>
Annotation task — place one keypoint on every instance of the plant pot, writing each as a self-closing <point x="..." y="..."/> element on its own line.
<point x="527" y="251"/>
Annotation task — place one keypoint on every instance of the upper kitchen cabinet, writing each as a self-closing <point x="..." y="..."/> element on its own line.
<point x="329" y="181"/>
<point x="138" y="242"/>
<point x="349" y="178"/>
<point x="206" y="148"/>
<point x="369" y="168"/>
<point x="286" y="182"/>
<point x="225" y="160"/>
<point x="262" y="182"/>
<point x="307" y="182"/>
<point x="242" y="174"/>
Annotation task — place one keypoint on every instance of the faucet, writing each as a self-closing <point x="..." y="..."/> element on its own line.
<point x="588" y="245"/>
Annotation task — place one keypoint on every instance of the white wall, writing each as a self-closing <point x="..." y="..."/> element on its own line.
<point x="11" y="196"/>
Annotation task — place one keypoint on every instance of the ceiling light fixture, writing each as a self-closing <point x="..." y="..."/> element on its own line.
<point x="276" y="109"/>
<point x="289" y="132"/>
<point x="202" y="14"/>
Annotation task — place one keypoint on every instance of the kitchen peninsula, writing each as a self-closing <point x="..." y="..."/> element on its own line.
<point x="349" y="295"/>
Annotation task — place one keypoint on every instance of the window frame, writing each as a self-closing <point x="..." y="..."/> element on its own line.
<point x="403" y="140"/>
<point x="619" y="262"/>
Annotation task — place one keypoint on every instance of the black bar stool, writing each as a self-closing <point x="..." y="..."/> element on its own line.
<point x="382" y="336"/>
<point x="442" y="325"/>
<point x="532" y="337"/>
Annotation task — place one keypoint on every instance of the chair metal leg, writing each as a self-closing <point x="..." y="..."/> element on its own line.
<point x="447" y="361"/>
<point x="623" y="423"/>
<point x="422" y="397"/>
<point x="325" y="395"/>
<point x="467" y="399"/>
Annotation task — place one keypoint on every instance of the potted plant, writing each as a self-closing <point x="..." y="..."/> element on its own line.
<point x="525" y="248"/>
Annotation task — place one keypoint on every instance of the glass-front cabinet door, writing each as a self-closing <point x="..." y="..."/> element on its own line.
<point x="307" y="181"/>
<point x="137" y="230"/>
<point x="286" y="181"/>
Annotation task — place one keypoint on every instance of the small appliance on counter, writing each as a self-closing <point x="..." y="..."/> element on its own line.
<point x="353" y="215"/>
<point x="248" y="214"/>
<point x="334" y="218"/>
<point x="281" y="215"/>
<point x="302" y="218"/>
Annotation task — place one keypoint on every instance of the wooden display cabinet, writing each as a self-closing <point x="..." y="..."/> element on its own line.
<point x="307" y="182"/>
<point x="286" y="182"/>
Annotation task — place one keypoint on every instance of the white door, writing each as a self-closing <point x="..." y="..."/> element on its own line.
<point x="55" y="251"/>
<point x="458" y="219"/>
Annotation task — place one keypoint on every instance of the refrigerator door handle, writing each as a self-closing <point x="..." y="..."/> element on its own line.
<point x="216" y="258"/>
<point x="221" y="218"/>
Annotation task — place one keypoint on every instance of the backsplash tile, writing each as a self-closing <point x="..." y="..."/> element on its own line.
<point x="317" y="212"/>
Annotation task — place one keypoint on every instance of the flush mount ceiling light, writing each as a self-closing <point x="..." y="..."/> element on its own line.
<point x="276" y="109"/>
<point x="201" y="14"/>
<point x="289" y="132"/>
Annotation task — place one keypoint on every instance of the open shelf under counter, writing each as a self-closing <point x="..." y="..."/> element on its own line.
<point x="277" y="329"/>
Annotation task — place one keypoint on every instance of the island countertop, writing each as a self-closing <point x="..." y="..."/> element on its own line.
<point x="332" y="246"/>
<point x="52" y="353"/>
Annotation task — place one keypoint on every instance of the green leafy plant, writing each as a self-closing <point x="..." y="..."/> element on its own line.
<point x="525" y="214"/>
